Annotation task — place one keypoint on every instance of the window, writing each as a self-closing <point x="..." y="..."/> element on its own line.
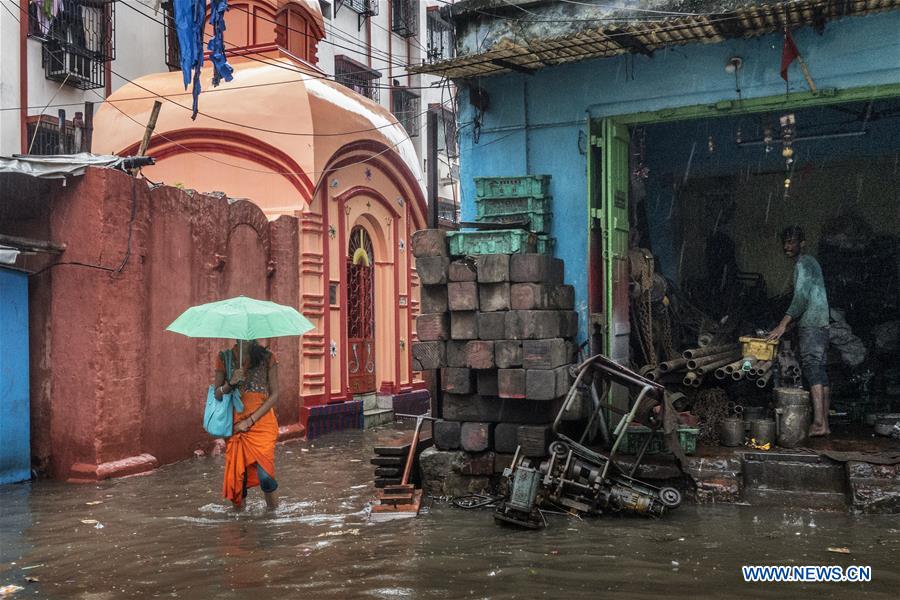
<point x="45" y="136"/>
<point x="78" y="41"/>
<point x="173" y="51"/>
<point x="405" y="18"/>
<point x="448" y="212"/>
<point x="440" y="36"/>
<point x="294" y="34"/>
<point x="446" y="133"/>
<point x="357" y="76"/>
<point x="360" y="7"/>
<point x="405" y="106"/>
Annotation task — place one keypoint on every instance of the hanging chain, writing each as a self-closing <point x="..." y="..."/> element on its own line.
<point x="667" y="342"/>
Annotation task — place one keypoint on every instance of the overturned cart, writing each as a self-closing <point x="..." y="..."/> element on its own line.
<point x="583" y="480"/>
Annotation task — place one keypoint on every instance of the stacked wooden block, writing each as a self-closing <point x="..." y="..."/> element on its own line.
<point x="499" y="326"/>
<point x="391" y="452"/>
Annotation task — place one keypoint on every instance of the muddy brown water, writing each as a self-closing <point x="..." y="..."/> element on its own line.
<point x="169" y="534"/>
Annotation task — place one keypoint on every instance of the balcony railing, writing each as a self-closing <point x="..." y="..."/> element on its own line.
<point x="357" y="76"/>
<point x="78" y="40"/>
<point x="440" y="42"/>
<point x="367" y="8"/>
<point x="45" y="137"/>
<point x="173" y="50"/>
<point x="405" y="106"/>
<point x="405" y="18"/>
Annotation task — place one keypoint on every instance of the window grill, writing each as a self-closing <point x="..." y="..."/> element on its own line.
<point x="173" y="50"/>
<point x="46" y="138"/>
<point x="446" y="130"/>
<point x="357" y="76"/>
<point x="405" y="106"/>
<point x="441" y="45"/>
<point x="78" y="40"/>
<point x="405" y="18"/>
<point x="368" y="8"/>
<point x="448" y="212"/>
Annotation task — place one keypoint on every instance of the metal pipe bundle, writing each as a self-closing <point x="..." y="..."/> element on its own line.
<point x="713" y="359"/>
<point x="708" y="350"/>
<point x="711" y="367"/>
<point x="672" y="365"/>
<point x="763" y="381"/>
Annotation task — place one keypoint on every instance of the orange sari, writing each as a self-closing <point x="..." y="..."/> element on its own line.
<point x="256" y="446"/>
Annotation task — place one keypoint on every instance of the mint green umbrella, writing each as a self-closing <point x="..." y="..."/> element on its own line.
<point x="240" y="318"/>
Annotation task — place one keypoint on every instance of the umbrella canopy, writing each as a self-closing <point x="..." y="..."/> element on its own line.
<point x="240" y="318"/>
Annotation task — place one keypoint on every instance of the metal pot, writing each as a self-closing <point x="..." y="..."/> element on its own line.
<point x="793" y="416"/>
<point x="731" y="431"/>
<point x="752" y="413"/>
<point x="763" y="431"/>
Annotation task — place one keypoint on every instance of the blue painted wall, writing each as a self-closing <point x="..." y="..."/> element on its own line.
<point x="15" y="444"/>
<point x="555" y="103"/>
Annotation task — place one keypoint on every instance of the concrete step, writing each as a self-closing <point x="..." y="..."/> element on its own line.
<point x="369" y="400"/>
<point x="376" y="417"/>
<point x="798" y="499"/>
<point x="803" y="480"/>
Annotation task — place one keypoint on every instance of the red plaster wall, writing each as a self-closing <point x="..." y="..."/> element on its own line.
<point x="108" y="383"/>
<point x="284" y="288"/>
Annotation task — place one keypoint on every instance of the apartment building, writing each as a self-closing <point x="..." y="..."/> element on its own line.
<point x="372" y="42"/>
<point x="58" y="59"/>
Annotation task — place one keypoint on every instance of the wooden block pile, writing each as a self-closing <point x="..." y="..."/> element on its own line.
<point x="391" y="452"/>
<point x="500" y="328"/>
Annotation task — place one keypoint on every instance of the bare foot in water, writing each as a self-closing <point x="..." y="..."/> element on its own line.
<point x="238" y="507"/>
<point x="271" y="500"/>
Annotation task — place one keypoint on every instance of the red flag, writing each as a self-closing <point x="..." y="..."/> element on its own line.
<point x="788" y="53"/>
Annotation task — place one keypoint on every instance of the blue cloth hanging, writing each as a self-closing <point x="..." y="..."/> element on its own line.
<point x="216" y="46"/>
<point x="190" y="18"/>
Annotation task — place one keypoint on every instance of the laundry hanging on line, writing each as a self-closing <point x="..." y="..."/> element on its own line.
<point x="190" y="18"/>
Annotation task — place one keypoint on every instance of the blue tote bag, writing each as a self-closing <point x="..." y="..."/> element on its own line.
<point x="218" y="418"/>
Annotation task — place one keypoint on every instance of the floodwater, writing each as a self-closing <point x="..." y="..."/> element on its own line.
<point x="169" y="534"/>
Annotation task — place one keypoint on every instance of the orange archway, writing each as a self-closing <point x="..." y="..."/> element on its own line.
<point x="236" y="150"/>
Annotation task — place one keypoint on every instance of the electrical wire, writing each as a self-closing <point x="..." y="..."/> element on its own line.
<point x="262" y="171"/>
<point x="249" y="54"/>
<point x="154" y="95"/>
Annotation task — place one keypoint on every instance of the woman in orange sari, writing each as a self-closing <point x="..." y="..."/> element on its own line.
<point x="250" y="451"/>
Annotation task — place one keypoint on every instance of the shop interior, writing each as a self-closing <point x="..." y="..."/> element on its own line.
<point x="709" y="199"/>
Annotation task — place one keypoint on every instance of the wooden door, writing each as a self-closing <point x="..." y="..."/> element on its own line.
<point x="360" y="312"/>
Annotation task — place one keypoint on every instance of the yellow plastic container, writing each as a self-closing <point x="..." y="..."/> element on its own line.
<point x="758" y="348"/>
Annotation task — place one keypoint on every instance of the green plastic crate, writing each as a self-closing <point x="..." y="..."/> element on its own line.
<point x="546" y="244"/>
<point x="636" y="434"/>
<point x="526" y="186"/>
<point x="537" y="222"/>
<point x="501" y="241"/>
<point x="493" y="207"/>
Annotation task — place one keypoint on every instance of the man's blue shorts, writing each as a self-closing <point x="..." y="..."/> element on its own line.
<point x="813" y="349"/>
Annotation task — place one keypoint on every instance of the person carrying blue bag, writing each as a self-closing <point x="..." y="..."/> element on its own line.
<point x="218" y="418"/>
<point x="250" y="450"/>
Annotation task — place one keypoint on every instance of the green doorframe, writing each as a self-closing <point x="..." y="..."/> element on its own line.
<point x="606" y="136"/>
<point x="755" y="105"/>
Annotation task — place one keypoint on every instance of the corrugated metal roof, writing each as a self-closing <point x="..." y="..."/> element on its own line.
<point x="646" y="37"/>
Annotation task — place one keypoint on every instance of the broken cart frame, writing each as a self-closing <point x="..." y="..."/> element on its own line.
<point x="581" y="480"/>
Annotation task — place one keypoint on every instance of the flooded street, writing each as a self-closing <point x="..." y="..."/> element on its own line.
<point x="169" y="534"/>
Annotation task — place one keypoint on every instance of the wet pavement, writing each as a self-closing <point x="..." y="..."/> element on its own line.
<point x="169" y="534"/>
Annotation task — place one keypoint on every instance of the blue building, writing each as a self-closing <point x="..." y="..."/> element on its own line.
<point x="667" y="126"/>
